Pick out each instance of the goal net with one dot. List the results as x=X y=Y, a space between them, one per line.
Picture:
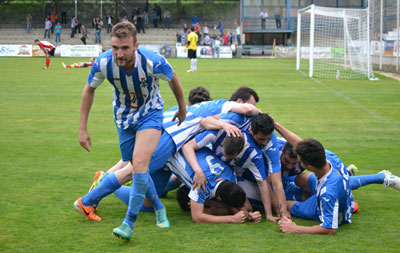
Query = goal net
x=333 y=42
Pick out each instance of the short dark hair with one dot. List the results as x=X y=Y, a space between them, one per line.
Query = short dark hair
x=231 y=194
x=123 y=30
x=198 y=95
x=182 y=196
x=192 y=28
x=233 y=145
x=244 y=93
x=36 y=40
x=288 y=149
x=311 y=152
x=262 y=123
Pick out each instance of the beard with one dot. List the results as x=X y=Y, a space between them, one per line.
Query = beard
x=124 y=62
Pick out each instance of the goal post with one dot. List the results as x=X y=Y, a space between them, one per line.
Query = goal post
x=333 y=42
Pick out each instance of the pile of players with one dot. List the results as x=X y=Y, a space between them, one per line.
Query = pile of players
x=226 y=154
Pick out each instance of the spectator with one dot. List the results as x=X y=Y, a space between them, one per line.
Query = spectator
x=155 y=17
x=238 y=34
x=98 y=31
x=63 y=15
x=205 y=29
x=47 y=27
x=94 y=22
x=178 y=39
x=184 y=33
x=195 y=20
x=84 y=34
x=47 y=10
x=58 y=32
x=53 y=21
x=109 y=23
x=263 y=16
x=221 y=28
x=198 y=29
x=278 y=19
x=28 y=23
x=206 y=40
x=225 y=39
x=217 y=45
x=78 y=25
x=231 y=38
x=124 y=19
x=167 y=18
x=73 y=21
x=146 y=13
x=139 y=21
x=159 y=14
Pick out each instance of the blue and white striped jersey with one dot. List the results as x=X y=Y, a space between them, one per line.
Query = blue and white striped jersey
x=248 y=164
x=272 y=155
x=134 y=94
x=213 y=168
x=334 y=199
x=191 y=126
x=241 y=121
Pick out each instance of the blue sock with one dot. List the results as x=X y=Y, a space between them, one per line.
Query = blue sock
x=171 y=185
x=136 y=197
x=152 y=196
x=123 y=194
x=104 y=176
x=105 y=188
x=358 y=181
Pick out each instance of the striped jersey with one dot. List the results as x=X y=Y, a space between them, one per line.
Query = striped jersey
x=191 y=126
x=248 y=164
x=334 y=199
x=213 y=168
x=46 y=45
x=134 y=94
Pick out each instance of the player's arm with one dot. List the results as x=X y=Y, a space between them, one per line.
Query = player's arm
x=189 y=151
x=266 y=200
x=213 y=123
x=86 y=104
x=288 y=226
x=176 y=88
x=199 y=216
x=246 y=109
x=279 y=193
x=291 y=137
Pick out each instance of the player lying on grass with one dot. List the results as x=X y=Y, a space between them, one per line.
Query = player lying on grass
x=49 y=50
x=299 y=185
x=249 y=162
x=171 y=140
x=80 y=64
x=271 y=159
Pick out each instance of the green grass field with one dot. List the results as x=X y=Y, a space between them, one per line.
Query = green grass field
x=44 y=169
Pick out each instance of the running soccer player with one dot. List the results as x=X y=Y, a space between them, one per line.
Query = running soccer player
x=48 y=49
x=249 y=163
x=134 y=73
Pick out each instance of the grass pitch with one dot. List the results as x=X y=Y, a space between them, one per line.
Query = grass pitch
x=44 y=170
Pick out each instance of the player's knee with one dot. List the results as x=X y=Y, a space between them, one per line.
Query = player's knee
x=140 y=164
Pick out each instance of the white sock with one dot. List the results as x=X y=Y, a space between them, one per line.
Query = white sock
x=195 y=64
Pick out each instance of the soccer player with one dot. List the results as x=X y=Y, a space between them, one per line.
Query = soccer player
x=134 y=73
x=332 y=203
x=249 y=163
x=192 y=47
x=48 y=49
x=80 y=64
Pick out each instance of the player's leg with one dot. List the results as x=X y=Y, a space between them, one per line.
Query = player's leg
x=359 y=181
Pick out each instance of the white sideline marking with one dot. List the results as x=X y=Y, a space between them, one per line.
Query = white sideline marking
x=354 y=103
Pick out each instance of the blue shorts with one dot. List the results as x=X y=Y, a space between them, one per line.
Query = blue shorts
x=306 y=209
x=153 y=120
x=292 y=191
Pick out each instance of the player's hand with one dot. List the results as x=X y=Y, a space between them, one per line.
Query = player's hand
x=286 y=225
x=254 y=216
x=272 y=218
x=231 y=130
x=181 y=115
x=239 y=217
x=199 y=181
x=85 y=140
